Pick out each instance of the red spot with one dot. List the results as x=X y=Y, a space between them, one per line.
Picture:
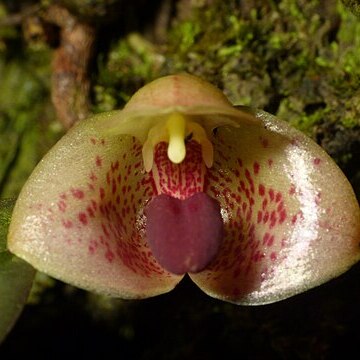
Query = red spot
x=264 y=142
x=250 y=180
x=266 y=217
x=266 y=238
x=114 y=187
x=316 y=161
x=282 y=216
x=93 y=141
x=102 y=193
x=242 y=184
x=278 y=197
x=270 y=162
x=109 y=256
x=261 y=190
x=264 y=204
x=67 y=223
x=292 y=189
x=273 y=256
x=98 y=161
x=94 y=204
x=92 y=177
x=115 y=166
x=240 y=162
x=271 y=194
x=318 y=198
x=297 y=216
x=105 y=230
x=271 y=240
x=258 y=256
x=248 y=215
x=83 y=218
x=272 y=219
x=62 y=205
x=256 y=167
x=244 y=206
x=77 y=193
x=93 y=245
x=90 y=211
x=259 y=216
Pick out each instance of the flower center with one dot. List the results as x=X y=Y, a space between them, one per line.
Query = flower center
x=184 y=227
x=176 y=130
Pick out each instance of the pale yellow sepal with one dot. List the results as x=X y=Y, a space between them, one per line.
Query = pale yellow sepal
x=175 y=109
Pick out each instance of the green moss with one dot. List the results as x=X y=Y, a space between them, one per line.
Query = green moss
x=187 y=33
x=350 y=122
x=6 y=32
x=25 y=134
x=130 y=63
x=348 y=50
x=290 y=57
x=306 y=123
x=353 y=5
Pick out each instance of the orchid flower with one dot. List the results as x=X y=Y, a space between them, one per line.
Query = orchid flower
x=181 y=182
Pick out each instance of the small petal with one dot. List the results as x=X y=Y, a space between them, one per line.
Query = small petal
x=291 y=218
x=183 y=93
x=80 y=216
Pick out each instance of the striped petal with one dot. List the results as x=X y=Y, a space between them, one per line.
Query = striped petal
x=80 y=216
x=291 y=218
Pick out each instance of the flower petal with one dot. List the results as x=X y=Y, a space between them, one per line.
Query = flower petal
x=80 y=216
x=183 y=93
x=291 y=218
x=184 y=235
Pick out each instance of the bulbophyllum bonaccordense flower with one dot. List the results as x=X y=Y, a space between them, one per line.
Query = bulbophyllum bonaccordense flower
x=180 y=181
